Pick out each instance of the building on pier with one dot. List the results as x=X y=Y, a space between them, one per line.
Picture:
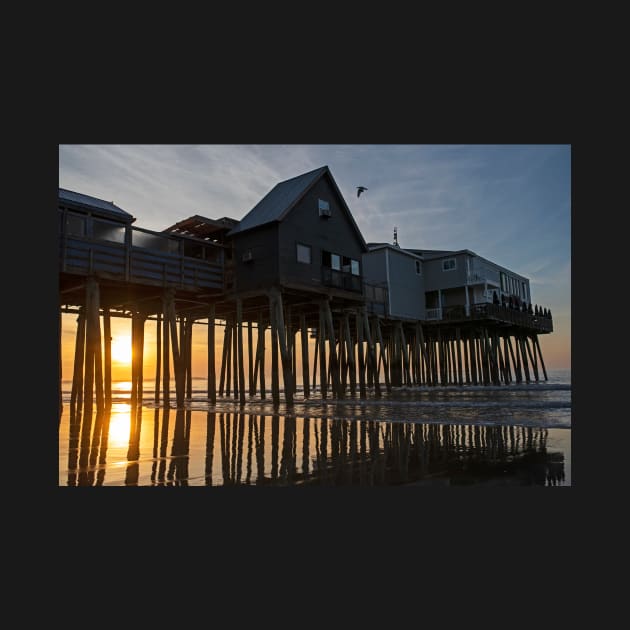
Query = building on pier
x=463 y=278
x=301 y=236
x=394 y=282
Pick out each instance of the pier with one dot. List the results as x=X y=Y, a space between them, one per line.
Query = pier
x=289 y=278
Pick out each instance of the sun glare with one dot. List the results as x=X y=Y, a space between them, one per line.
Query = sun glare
x=119 y=425
x=121 y=350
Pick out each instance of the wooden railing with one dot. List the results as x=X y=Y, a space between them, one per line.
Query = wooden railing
x=376 y=298
x=341 y=280
x=499 y=313
x=159 y=262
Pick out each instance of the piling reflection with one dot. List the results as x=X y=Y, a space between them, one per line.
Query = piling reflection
x=247 y=449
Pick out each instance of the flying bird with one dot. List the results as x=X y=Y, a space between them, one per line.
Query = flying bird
x=360 y=189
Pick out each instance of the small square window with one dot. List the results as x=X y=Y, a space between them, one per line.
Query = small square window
x=449 y=264
x=304 y=253
x=324 y=208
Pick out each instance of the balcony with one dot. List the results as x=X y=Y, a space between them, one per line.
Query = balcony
x=495 y=312
x=139 y=256
x=341 y=280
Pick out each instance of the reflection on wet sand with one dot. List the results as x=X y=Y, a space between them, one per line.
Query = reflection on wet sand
x=249 y=449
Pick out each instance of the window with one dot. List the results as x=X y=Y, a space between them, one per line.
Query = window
x=524 y=290
x=75 y=225
x=340 y=263
x=418 y=267
x=304 y=253
x=503 y=283
x=106 y=231
x=324 y=208
x=449 y=264
x=350 y=265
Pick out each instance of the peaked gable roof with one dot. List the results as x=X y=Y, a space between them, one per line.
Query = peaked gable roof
x=94 y=203
x=283 y=197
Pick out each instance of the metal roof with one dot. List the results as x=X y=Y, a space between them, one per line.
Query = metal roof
x=198 y=226
x=93 y=202
x=407 y=252
x=278 y=201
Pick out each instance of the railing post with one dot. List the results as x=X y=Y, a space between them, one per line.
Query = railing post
x=128 y=245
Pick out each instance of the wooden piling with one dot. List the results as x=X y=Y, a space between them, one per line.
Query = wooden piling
x=166 y=375
x=250 y=356
x=321 y=330
x=287 y=374
x=91 y=319
x=473 y=357
x=360 y=355
x=350 y=354
x=523 y=358
x=225 y=361
x=175 y=350
x=532 y=357
x=382 y=354
x=241 y=364
x=405 y=354
x=343 y=362
x=107 y=369
x=188 y=327
x=304 y=350
x=466 y=358
x=275 y=376
x=460 y=377
x=371 y=355
x=516 y=362
x=508 y=371
x=212 y=384
x=76 y=396
x=262 y=328
x=235 y=358
x=542 y=363
x=334 y=363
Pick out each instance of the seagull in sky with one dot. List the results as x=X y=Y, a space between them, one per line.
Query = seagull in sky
x=360 y=189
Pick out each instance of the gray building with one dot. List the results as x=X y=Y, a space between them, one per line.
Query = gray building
x=394 y=282
x=460 y=279
x=299 y=236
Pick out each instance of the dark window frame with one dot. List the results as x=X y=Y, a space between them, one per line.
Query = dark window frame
x=306 y=247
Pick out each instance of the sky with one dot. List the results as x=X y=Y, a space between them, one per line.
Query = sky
x=510 y=204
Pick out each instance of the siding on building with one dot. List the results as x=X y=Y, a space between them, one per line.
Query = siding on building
x=303 y=225
x=396 y=269
x=262 y=271
x=272 y=237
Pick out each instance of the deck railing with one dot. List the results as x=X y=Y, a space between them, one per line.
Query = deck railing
x=141 y=256
x=497 y=312
x=341 y=280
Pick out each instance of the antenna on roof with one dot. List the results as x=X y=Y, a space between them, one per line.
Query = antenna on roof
x=396 y=237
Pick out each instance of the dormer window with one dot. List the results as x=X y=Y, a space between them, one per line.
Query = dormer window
x=324 y=209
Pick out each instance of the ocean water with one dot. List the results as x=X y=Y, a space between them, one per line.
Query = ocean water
x=518 y=434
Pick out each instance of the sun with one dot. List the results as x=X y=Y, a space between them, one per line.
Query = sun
x=121 y=349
